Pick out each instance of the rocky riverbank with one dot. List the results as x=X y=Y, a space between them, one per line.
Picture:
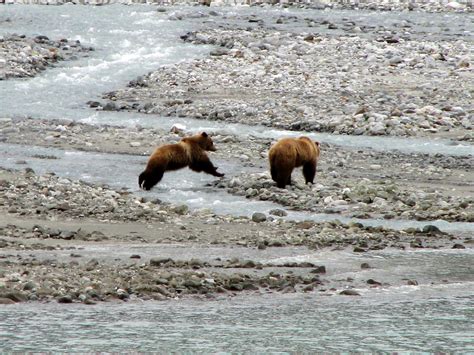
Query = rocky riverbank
x=285 y=72
x=24 y=57
x=375 y=187
x=364 y=198
x=52 y=249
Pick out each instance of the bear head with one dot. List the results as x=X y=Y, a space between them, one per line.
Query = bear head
x=205 y=142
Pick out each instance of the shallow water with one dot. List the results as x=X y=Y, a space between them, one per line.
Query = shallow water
x=436 y=315
x=121 y=171
x=129 y=41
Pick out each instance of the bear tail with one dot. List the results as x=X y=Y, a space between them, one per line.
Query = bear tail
x=147 y=180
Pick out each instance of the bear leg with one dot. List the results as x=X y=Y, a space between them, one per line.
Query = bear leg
x=148 y=179
x=283 y=179
x=309 y=171
x=274 y=173
x=206 y=166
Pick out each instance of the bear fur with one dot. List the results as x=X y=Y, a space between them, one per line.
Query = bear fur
x=290 y=153
x=190 y=151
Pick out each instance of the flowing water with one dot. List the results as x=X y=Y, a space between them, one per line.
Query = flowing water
x=128 y=42
x=436 y=317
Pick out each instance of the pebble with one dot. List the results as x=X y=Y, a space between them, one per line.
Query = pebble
x=259 y=217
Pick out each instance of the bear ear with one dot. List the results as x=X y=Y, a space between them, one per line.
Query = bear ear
x=204 y=134
x=317 y=143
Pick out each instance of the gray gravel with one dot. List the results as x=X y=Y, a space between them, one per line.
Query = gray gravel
x=25 y=57
x=365 y=81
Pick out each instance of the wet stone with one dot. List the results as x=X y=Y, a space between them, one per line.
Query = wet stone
x=64 y=299
x=373 y=282
x=28 y=286
x=14 y=296
x=259 y=217
x=431 y=229
x=319 y=270
x=5 y=301
x=349 y=293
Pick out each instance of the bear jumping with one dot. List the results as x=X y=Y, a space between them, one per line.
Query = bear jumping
x=190 y=151
x=290 y=153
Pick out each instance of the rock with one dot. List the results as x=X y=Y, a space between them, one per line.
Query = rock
x=377 y=128
x=454 y=5
x=349 y=293
x=159 y=261
x=259 y=217
x=122 y=294
x=395 y=60
x=64 y=299
x=278 y=212
x=29 y=286
x=358 y=249
x=110 y=106
x=4 y=301
x=181 y=210
x=365 y=266
x=248 y=264
x=319 y=270
x=67 y=235
x=218 y=52
x=373 y=282
x=92 y=264
x=93 y=104
x=417 y=243
x=431 y=229
x=412 y=283
x=177 y=128
x=135 y=256
x=14 y=296
x=458 y=246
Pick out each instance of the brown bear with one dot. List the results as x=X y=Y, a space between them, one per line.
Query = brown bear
x=290 y=153
x=190 y=151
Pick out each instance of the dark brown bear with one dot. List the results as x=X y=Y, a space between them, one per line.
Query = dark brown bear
x=290 y=153
x=190 y=151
